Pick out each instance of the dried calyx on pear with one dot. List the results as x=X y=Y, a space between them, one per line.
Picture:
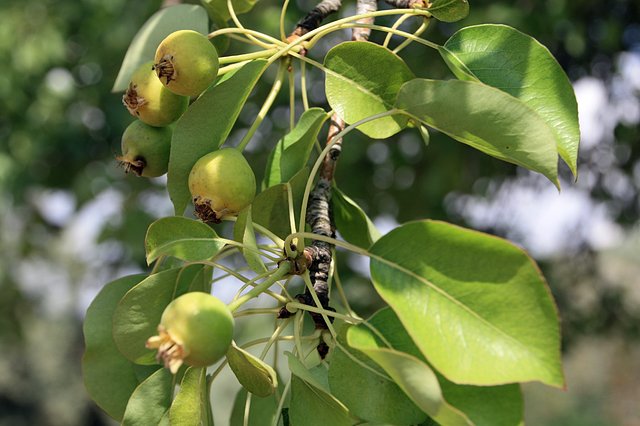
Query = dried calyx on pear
x=195 y=329
x=186 y=62
x=145 y=149
x=221 y=183
x=146 y=98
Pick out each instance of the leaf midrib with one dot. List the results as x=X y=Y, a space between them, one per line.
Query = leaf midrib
x=181 y=240
x=360 y=87
x=451 y=299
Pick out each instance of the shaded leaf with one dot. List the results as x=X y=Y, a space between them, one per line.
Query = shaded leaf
x=449 y=10
x=137 y=315
x=182 y=238
x=262 y=411
x=476 y=306
x=150 y=401
x=518 y=64
x=484 y=405
x=368 y=393
x=254 y=375
x=411 y=374
x=244 y=233
x=311 y=403
x=201 y=280
x=356 y=90
x=220 y=10
x=316 y=376
x=204 y=127
x=291 y=153
x=108 y=376
x=270 y=208
x=191 y=405
x=352 y=222
x=162 y=23
x=485 y=118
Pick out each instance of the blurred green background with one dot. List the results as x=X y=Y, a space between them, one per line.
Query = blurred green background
x=71 y=220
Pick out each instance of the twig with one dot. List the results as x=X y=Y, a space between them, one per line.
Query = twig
x=314 y=18
x=362 y=7
x=318 y=214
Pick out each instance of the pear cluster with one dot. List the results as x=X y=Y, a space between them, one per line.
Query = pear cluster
x=185 y=65
x=196 y=328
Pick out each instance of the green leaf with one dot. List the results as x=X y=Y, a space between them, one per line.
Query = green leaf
x=108 y=376
x=316 y=376
x=363 y=79
x=449 y=10
x=162 y=23
x=243 y=232
x=368 y=393
x=221 y=43
x=137 y=315
x=476 y=306
x=270 y=208
x=202 y=276
x=191 y=405
x=518 y=64
x=291 y=153
x=412 y=375
x=262 y=411
x=204 y=127
x=182 y=238
x=484 y=405
x=311 y=403
x=352 y=222
x=254 y=375
x=220 y=10
x=150 y=401
x=485 y=118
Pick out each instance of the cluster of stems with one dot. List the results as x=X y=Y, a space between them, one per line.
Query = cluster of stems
x=316 y=202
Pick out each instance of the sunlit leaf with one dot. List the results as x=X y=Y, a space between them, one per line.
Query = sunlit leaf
x=485 y=118
x=182 y=238
x=363 y=79
x=165 y=21
x=476 y=306
x=518 y=64
x=204 y=127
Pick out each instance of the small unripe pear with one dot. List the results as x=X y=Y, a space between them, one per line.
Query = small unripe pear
x=221 y=183
x=186 y=62
x=148 y=99
x=145 y=149
x=195 y=329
